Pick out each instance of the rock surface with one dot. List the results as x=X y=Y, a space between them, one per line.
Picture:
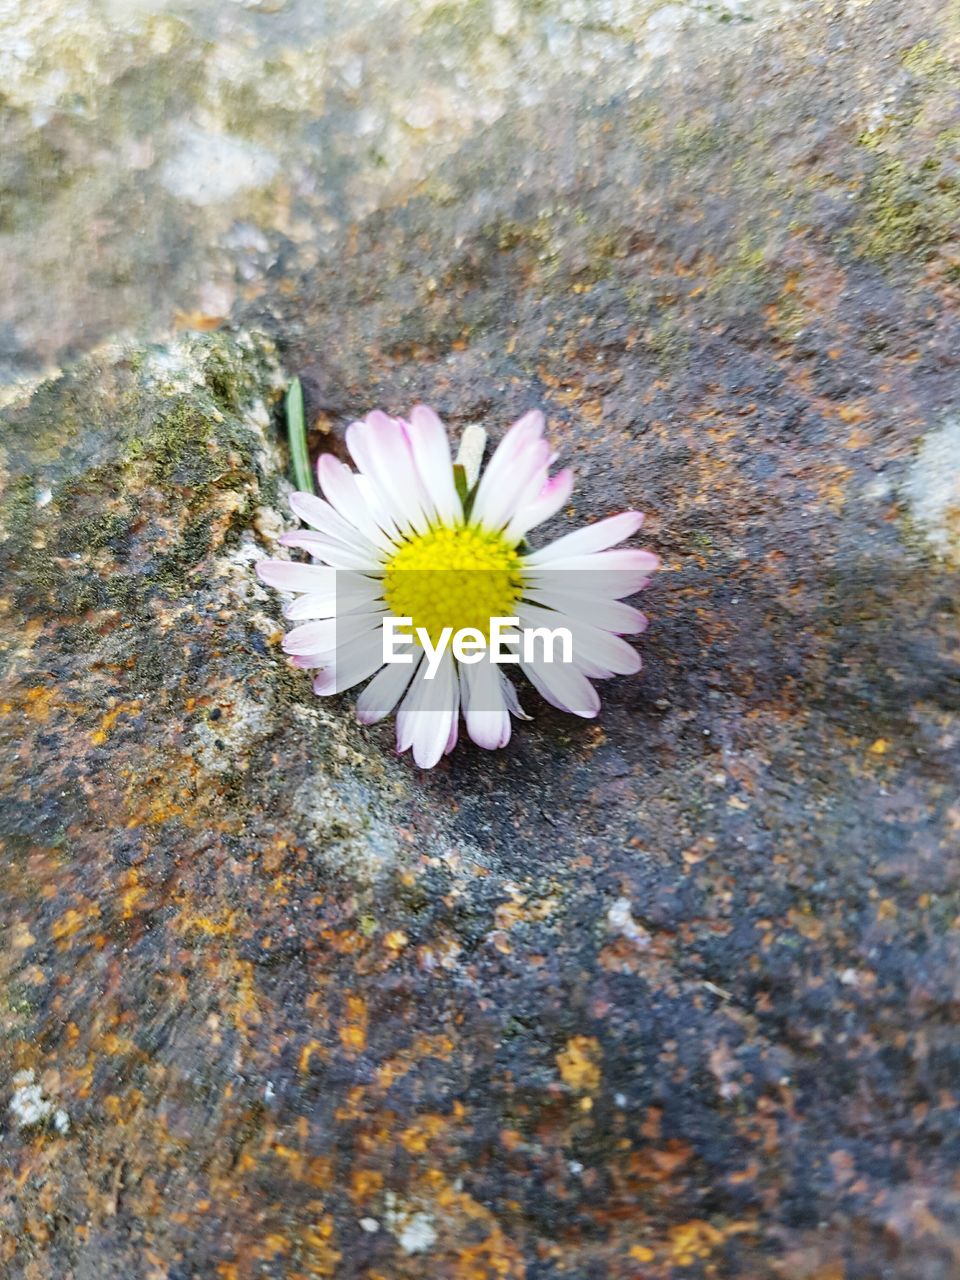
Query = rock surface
x=669 y=994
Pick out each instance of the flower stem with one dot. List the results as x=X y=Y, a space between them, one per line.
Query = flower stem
x=297 y=436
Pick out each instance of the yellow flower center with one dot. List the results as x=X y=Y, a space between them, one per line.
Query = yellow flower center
x=453 y=576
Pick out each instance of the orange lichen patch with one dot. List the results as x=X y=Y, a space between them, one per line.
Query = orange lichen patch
x=834 y=487
x=133 y=893
x=365 y=1184
x=423 y=1046
x=853 y=412
x=311 y=1048
x=291 y=1155
x=667 y=1160
x=271 y=1246
x=272 y=857
x=73 y=920
x=39 y=703
x=416 y=1138
x=579 y=1064
x=155 y=812
x=493 y=1255
x=520 y=909
x=501 y=942
x=109 y=719
x=212 y=926
x=692 y=1241
x=859 y=439
x=117 y=1046
x=316 y=1243
x=353 y=1033
x=879 y=747
x=640 y=1253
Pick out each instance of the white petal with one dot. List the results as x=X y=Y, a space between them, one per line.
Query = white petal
x=484 y=705
x=331 y=635
x=511 y=699
x=564 y=686
x=547 y=503
x=320 y=515
x=525 y=431
x=352 y=665
x=558 y=592
x=455 y=718
x=384 y=691
x=425 y=717
x=592 y=647
x=431 y=453
x=406 y=716
x=337 y=554
x=312 y=606
x=594 y=537
x=291 y=575
x=339 y=485
x=609 y=574
x=351 y=592
x=380 y=449
x=497 y=503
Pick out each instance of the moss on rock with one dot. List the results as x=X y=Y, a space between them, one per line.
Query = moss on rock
x=180 y=461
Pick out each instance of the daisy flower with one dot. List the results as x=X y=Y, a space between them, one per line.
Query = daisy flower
x=408 y=536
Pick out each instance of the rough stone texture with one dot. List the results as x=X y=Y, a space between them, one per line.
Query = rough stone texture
x=669 y=994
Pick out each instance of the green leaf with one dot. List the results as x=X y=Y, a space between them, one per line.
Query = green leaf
x=466 y=494
x=297 y=436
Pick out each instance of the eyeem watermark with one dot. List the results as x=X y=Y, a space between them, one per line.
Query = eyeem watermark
x=507 y=643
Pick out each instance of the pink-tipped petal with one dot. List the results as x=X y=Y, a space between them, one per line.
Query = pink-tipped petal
x=604 y=575
x=595 y=537
x=604 y=611
x=623 y=560
x=564 y=686
x=352 y=665
x=336 y=555
x=311 y=637
x=339 y=485
x=321 y=515
x=554 y=494
x=425 y=717
x=484 y=705
x=384 y=691
x=496 y=505
x=381 y=450
x=290 y=575
x=524 y=432
x=593 y=648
